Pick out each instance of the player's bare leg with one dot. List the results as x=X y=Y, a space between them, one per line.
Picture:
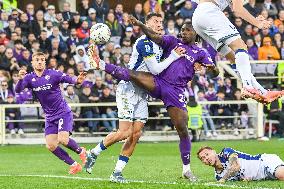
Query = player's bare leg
x=123 y=132
x=179 y=118
x=64 y=139
x=279 y=173
x=126 y=151
x=52 y=146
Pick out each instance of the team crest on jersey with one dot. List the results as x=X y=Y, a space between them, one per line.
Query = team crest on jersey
x=194 y=51
x=47 y=77
x=147 y=48
x=33 y=79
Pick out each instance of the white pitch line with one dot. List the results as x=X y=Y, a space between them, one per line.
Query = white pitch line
x=136 y=181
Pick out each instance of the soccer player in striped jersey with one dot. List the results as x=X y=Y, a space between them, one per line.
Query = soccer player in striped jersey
x=132 y=100
x=234 y=165
x=213 y=26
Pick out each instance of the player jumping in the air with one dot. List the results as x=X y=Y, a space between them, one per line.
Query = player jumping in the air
x=213 y=26
x=169 y=85
x=58 y=116
x=132 y=100
x=233 y=165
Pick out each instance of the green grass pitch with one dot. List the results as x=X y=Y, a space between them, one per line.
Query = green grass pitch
x=153 y=165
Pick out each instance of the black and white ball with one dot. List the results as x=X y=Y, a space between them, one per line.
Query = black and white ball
x=100 y=33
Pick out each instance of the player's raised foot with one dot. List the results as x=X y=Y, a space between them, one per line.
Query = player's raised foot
x=188 y=175
x=94 y=58
x=249 y=93
x=91 y=160
x=83 y=156
x=271 y=96
x=117 y=177
x=76 y=168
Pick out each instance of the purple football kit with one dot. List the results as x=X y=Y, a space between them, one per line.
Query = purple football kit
x=46 y=88
x=172 y=82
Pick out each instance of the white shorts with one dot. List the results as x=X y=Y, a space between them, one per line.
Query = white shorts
x=269 y=164
x=213 y=26
x=132 y=102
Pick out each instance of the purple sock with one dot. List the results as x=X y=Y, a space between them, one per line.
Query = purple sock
x=185 y=148
x=63 y=155
x=72 y=145
x=118 y=72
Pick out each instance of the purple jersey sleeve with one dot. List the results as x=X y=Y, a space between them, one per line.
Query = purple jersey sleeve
x=169 y=42
x=22 y=84
x=64 y=78
x=205 y=58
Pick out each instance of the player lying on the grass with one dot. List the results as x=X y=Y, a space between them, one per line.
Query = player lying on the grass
x=234 y=165
x=169 y=85
x=58 y=116
x=213 y=26
x=132 y=100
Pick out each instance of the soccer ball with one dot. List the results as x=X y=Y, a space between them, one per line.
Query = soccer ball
x=100 y=33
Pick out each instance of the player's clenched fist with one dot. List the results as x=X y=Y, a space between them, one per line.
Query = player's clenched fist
x=22 y=74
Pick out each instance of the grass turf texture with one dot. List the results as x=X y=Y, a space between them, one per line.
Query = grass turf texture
x=152 y=164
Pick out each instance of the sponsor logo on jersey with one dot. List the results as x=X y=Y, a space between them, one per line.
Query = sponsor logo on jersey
x=43 y=88
x=190 y=58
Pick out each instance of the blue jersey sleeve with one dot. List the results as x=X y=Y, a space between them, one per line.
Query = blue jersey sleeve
x=227 y=152
x=145 y=48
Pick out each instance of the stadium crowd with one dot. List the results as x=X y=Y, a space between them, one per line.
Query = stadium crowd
x=64 y=37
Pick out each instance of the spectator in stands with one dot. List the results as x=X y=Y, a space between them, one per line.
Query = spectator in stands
x=3 y=20
x=13 y=114
x=252 y=8
x=3 y=38
x=125 y=21
x=45 y=43
x=252 y=49
x=187 y=10
x=48 y=28
x=220 y=86
x=18 y=48
x=4 y=91
x=50 y=14
x=229 y=92
x=6 y=61
x=116 y=56
x=92 y=17
x=10 y=28
x=14 y=65
x=211 y=94
x=67 y=14
x=152 y=6
x=102 y=8
x=44 y=5
x=65 y=31
x=59 y=19
x=268 y=51
x=26 y=60
x=171 y=29
x=138 y=12
x=76 y=21
x=56 y=35
x=55 y=50
x=98 y=87
x=38 y=23
x=73 y=41
x=222 y=110
x=14 y=15
x=206 y=119
x=108 y=112
x=118 y=12
x=25 y=24
x=71 y=97
x=280 y=5
x=12 y=83
x=30 y=9
x=83 y=9
x=83 y=32
x=247 y=32
x=2 y=52
x=115 y=27
x=202 y=80
x=257 y=40
x=270 y=7
x=240 y=110
x=280 y=19
x=126 y=46
x=277 y=40
x=81 y=56
x=125 y=60
x=169 y=9
x=11 y=43
x=89 y=112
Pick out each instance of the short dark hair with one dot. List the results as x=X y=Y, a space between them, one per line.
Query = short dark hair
x=152 y=14
x=203 y=148
x=39 y=53
x=18 y=42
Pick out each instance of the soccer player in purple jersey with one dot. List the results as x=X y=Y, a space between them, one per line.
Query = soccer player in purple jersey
x=169 y=85
x=58 y=116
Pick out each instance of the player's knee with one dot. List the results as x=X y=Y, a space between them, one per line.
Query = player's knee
x=63 y=140
x=136 y=135
x=122 y=135
x=51 y=146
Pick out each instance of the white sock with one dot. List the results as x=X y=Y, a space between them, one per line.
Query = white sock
x=102 y=65
x=257 y=85
x=98 y=149
x=186 y=168
x=121 y=163
x=244 y=68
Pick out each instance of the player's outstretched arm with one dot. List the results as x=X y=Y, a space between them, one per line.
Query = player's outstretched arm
x=147 y=31
x=156 y=68
x=81 y=77
x=240 y=11
x=22 y=84
x=233 y=168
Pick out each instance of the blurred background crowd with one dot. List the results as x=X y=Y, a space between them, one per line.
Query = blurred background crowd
x=63 y=35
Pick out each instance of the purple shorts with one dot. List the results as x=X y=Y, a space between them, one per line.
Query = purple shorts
x=63 y=123
x=172 y=96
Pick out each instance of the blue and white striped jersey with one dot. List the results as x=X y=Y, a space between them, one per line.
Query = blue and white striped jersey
x=250 y=165
x=142 y=48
